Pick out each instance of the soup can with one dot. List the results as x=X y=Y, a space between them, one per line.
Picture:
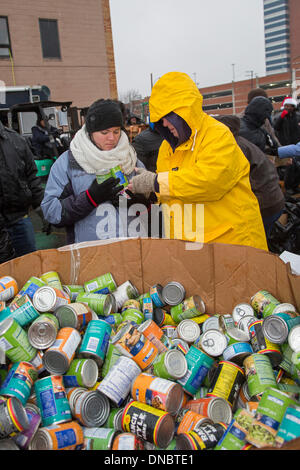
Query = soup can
x=240 y=311
x=198 y=365
x=76 y=315
x=23 y=439
x=51 y=278
x=187 y=330
x=155 y=334
x=102 y=304
x=114 y=421
x=95 y=341
x=187 y=420
x=290 y=426
x=51 y=399
x=14 y=341
x=215 y=408
x=43 y=331
x=99 y=438
x=260 y=344
x=58 y=357
x=116 y=384
x=173 y=293
x=124 y=292
x=237 y=352
x=148 y=423
x=133 y=315
x=48 y=299
x=132 y=343
x=31 y=286
x=170 y=365
x=276 y=327
x=92 y=408
x=104 y=284
x=264 y=303
x=19 y=381
x=213 y=342
x=23 y=311
x=259 y=374
x=159 y=393
x=8 y=288
x=127 y=441
x=73 y=290
x=203 y=438
x=64 y=436
x=227 y=381
x=82 y=373
x=188 y=308
x=13 y=417
x=156 y=295
x=131 y=303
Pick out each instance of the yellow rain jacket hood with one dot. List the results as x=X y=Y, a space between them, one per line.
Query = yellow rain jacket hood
x=204 y=184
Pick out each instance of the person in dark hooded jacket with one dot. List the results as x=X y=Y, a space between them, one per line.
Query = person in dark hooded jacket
x=256 y=113
x=264 y=179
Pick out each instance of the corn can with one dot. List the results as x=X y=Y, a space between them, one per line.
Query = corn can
x=52 y=279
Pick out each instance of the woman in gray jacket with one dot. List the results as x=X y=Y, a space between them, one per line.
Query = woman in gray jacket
x=73 y=197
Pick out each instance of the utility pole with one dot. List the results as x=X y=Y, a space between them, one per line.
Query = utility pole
x=233 y=93
x=251 y=74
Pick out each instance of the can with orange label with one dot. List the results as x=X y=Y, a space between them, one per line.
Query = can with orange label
x=132 y=343
x=159 y=393
x=127 y=441
x=58 y=357
x=65 y=436
x=8 y=288
x=188 y=420
x=148 y=423
x=155 y=334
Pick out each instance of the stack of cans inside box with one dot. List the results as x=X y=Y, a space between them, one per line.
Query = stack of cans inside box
x=101 y=366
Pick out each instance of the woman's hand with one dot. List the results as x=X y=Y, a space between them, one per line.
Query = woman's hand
x=143 y=182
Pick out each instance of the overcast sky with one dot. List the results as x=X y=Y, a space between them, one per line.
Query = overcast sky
x=202 y=38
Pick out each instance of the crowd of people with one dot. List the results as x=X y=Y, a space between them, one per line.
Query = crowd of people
x=189 y=175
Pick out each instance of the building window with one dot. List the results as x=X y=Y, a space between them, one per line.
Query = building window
x=5 y=46
x=49 y=39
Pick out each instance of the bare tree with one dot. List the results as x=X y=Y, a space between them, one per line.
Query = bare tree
x=129 y=96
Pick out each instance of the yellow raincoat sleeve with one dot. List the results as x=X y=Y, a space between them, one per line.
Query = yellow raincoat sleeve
x=215 y=167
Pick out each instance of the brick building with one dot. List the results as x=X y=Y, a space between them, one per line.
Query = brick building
x=64 y=45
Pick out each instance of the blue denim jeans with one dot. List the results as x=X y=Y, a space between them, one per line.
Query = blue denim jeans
x=22 y=236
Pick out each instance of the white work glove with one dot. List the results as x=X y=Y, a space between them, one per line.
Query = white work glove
x=143 y=182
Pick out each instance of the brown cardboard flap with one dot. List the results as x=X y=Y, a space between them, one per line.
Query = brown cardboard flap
x=223 y=275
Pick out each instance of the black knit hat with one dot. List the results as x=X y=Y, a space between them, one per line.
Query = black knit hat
x=103 y=114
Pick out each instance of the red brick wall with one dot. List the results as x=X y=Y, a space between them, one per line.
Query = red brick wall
x=85 y=71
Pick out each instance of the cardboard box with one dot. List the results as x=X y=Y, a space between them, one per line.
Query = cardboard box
x=223 y=275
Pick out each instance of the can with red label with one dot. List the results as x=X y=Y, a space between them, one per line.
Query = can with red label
x=204 y=438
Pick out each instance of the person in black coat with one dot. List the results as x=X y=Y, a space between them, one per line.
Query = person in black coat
x=286 y=123
x=147 y=145
x=20 y=190
x=256 y=113
x=41 y=139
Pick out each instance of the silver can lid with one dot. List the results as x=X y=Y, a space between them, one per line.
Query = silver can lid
x=109 y=304
x=176 y=363
x=219 y=410
x=55 y=362
x=211 y=323
x=5 y=325
x=41 y=440
x=237 y=335
x=188 y=330
x=244 y=323
x=20 y=413
x=66 y=316
x=275 y=329
x=294 y=338
x=173 y=293
x=42 y=334
x=44 y=298
x=242 y=310
x=199 y=304
x=89 y=373
x=213 y=342
x=95 y=409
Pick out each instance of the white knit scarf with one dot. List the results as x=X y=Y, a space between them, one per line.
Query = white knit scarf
x=92 y=159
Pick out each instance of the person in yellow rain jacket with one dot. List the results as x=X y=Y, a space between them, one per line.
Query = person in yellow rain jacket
x=200 y=170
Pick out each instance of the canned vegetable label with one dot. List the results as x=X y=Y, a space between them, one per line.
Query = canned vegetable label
x=8 y=288
x=199 y=364
x=264 y=303
x=104 y=284
x=117 y=172
x=52 y=400
x=259 y=374
x=227 y=381
x=14 y=341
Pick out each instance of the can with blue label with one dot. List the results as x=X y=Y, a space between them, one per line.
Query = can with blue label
x=116 y=172
x=82 y=373
x=95 y=341
x=23 y=311
x=31 y=286
x=237 y=352
x=51 y=399
x=198 y=364
x=104 y=284
x=289 y=427
x=156 y=295
x=19 y=381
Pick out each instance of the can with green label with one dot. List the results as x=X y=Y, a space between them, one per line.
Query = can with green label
x=31 y=286
x=273 y=405
x=73 y=290
x=103 y=175
x=112 y=356
x=82 y=373
x=102 y=304
x=264 y=303
x=95 y=341
x=116 y=172
x=188 y=308
x=114 y=420
x=133 y=315
x=52 y=279
x=14 y=341
x=103 y=284
x=234 y=437
x=99 y=438
x=259 y=374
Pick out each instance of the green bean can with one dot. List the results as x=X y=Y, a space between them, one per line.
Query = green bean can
x=101 y=304
x=259 y=374
x=264 y=303
x=188 y=308
x=234 y=437
x=14 y=341
x=99 y=438
x=104 y=284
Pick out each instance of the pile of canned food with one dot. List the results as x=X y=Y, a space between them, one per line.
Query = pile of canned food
x=102 y=366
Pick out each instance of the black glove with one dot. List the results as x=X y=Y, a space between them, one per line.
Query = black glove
x=137 y=199
x=105 y=191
